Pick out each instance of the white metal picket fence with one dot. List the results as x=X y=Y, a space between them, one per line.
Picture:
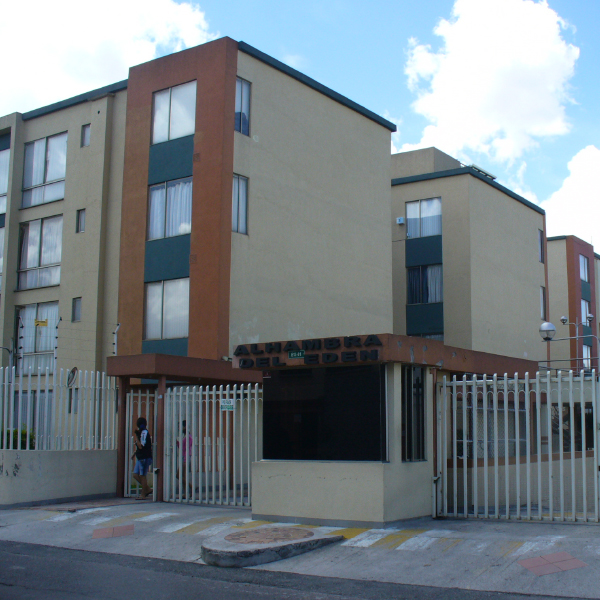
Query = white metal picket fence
x=515 y=448
x=43 y=411
x=210 y=463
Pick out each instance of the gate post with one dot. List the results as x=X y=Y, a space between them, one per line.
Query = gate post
x=122 y=447
x=159 y=437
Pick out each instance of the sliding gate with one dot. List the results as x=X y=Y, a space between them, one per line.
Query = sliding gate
x=511 y=448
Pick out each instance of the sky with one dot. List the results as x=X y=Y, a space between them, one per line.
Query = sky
x=512 y=86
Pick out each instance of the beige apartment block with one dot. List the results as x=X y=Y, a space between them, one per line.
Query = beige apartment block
x=63 y=177
x=468 y=257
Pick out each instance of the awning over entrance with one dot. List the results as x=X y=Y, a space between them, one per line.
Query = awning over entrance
x=202 y=371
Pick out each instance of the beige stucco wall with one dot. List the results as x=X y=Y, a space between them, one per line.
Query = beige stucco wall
x=32 y=476
x=456 y=249
x=559 y=300
x=418 y=162
x=89 y=263
x=317 y=258
x=506 y=274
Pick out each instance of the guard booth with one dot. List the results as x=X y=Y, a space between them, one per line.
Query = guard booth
x=350 y=426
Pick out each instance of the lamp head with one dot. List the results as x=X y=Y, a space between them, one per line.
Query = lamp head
x=590 y=318
x=564 y=320
x=547 y=331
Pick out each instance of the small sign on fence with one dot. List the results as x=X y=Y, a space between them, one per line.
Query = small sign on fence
x=227 y=404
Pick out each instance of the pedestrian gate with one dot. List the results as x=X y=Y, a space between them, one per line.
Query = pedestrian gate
x=515 y=448
x=212 y=436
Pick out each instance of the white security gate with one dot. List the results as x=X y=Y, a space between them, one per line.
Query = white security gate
x=515 y=448
x=139 y=404
x=210 y=463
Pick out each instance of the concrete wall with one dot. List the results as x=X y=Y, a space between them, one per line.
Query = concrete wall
x=506 y=274
x=89 y=263
x=418 y=162
x=31 y=477
x=317 y=258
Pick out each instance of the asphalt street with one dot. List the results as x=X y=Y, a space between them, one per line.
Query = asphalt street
x=37 y=572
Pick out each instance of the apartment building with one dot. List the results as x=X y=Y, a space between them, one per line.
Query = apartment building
x=468 y=257
x=573 y=277
x=60 y=196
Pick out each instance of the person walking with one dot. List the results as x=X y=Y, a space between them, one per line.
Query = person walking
x=143 y=454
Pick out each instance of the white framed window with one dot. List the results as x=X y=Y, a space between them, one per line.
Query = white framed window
x=239 y=214
x=86 y=132
x=80 y=222
x=76 y=310
x=167 y=308
x=541 y=246
x=44 y=171
x=4 y=164
x=587 y=357
x=425 y=284
x=40 y=253
x=584 y=271
x=36 y=326
x=174 y=112
x=585 y=311
x=242 y=106
x=543 y=303
x=424 y=218
x=170 y=209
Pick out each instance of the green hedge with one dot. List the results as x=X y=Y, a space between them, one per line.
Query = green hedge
x=19 y=442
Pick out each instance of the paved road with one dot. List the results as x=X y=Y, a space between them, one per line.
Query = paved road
x=36 y=572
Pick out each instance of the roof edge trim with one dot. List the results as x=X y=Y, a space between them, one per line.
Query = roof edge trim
x=80 y=99
x=474 y=173
x=315 y=85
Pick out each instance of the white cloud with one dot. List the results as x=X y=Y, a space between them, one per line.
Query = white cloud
x=574 y=209
x=498 y=83
x=395 y=146
x=296 y=61
x=69 y=47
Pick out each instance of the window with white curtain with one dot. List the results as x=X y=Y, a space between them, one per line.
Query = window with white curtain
x=36 y=324
x=4 y=163
x=424 y=218
x=587 y=357
x=44 y=170
x=40 y=253
x=585 y=311
x=170 y=209
x=242 y=106
x=425 y=285
x=174 y=113
x=239 y=215
x=167 y=309
x=584 y=271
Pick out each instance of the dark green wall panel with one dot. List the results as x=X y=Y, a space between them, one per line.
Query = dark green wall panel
x=586 y=291
x=424 y=251
x=178 y=347
x=171 y=160
x=423 y=319
x=168 y=258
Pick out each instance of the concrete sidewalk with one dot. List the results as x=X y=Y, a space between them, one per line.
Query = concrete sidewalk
x=475 y=555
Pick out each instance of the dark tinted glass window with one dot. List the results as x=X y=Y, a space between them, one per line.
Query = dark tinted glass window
x=325 y=414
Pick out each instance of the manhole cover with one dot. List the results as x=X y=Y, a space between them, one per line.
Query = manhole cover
x=269 y=535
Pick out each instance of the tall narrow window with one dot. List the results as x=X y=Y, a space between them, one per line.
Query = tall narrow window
x=45 y=169
x=587 y=357
x=86 y=131
x=36 y=325
x=170 y=209
x=80 y=224
x=4 y=163
x=585 y=311
x=242 y=106
x=174 y=113
x=40 y=253
x=424 y=218
x=543 y=303
x=167 y=309
x=425 y=285
x=541 y=245
x=413 y=414
x=76 y=310
x=584 y=272
x=239 y=215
